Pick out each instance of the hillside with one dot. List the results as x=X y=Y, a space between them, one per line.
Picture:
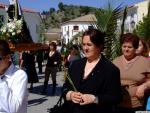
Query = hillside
x=54 y=17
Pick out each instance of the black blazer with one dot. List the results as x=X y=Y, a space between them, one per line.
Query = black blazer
x=103 y=82
x=54 y=58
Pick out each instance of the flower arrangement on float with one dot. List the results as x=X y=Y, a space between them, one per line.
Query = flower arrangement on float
x=11 y=29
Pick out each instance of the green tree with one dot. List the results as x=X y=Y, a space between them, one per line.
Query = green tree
x=54 y=18
x=143 y=27
x=61 y=6
x=85 y=9
x=52 y=10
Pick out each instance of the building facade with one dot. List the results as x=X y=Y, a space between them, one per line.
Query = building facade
x=135 y=14
x=72 y=27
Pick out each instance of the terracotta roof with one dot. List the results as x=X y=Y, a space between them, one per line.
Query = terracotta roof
x=85 y=18
x=3 y=5
x=29 y=10
x=24 y=9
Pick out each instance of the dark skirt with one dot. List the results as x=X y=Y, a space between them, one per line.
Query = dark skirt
x=32 y=75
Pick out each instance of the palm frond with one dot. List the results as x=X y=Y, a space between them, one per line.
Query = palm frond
x=123 y=21
x=107 y=22
x=103 y=18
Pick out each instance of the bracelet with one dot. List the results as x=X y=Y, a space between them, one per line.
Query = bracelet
x=96 y=100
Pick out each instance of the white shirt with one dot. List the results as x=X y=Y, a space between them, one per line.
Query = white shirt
x=13 y=91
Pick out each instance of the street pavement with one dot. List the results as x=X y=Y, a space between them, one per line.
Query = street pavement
x=38 y=103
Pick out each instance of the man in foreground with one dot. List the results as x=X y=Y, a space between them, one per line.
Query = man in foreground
x=13 y=84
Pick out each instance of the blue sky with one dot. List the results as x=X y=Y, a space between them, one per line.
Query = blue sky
x=40 y=5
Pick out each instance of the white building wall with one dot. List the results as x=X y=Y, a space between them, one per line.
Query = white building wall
x=142 y=9
x=68 y=32
x=134 y=15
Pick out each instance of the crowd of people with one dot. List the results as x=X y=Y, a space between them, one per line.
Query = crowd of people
x=99 y=85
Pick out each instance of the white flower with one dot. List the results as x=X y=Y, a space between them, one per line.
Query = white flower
x=13 y=33
x=18 y=31
x=12 y=28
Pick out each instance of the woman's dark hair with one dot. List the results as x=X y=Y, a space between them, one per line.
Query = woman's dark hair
x=96 y=36
x=145 y=48
x=130 y=37
x=74 y=47
x=4 y=48
x=53 y=44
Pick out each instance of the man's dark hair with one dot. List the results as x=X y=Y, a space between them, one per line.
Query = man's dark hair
x=4 y=48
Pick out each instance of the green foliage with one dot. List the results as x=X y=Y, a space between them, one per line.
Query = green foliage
x=76 y=39
x=51 y=10
x=107 y=23
x=64 y=13
x=103 y=18
x=61 y=6
x=117 y=44
x=1 y=23
x=42 y=37
x=85 y=9
x=143 y=27
x=123 y=21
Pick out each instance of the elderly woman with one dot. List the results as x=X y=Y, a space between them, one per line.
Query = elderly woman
x=133 y=69
x=96 y=79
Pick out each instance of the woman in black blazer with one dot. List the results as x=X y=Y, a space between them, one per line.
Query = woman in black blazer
x=53 y=59
x=96 y=79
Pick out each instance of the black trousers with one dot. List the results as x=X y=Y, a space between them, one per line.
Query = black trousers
x=40 y=66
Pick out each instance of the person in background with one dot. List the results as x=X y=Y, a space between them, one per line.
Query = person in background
x=20 y=58
x=39 y=59
x=15 y=58
x=59 y=47
x=53 y=59
x=64 y=53
x=64 y=50
x=143 y=51
x=13 y=84
x=81 y=52
x=96 y=79
x=133 y=69
x=73 y=55
x=28 y=64
x=142 y=48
